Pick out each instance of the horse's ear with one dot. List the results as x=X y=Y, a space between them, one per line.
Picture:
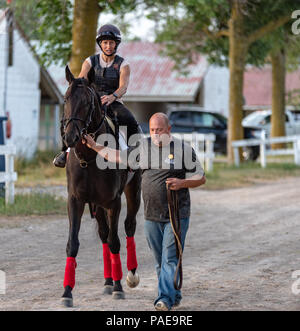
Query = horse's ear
x=69 y=75
x=91 y=75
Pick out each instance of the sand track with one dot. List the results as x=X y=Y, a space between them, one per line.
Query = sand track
x=241 y=249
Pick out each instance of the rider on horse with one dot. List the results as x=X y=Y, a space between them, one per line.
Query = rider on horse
x=111 y=78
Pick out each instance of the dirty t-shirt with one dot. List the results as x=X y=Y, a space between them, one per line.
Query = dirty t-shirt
x=176 y=160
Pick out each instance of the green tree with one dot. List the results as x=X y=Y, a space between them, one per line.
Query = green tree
x=73 y=27
x=284 y=56
x=24 y=11
x=66 y=29
x=229 y=32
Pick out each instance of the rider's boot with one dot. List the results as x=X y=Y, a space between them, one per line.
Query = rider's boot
x=60 y=159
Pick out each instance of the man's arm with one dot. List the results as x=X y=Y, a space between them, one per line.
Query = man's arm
x=191 y=182
x=111 y=155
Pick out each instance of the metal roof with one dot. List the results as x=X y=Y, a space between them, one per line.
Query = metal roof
x=152 y=77
x=258 y=86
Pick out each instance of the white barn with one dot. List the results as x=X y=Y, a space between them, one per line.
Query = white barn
x=25 y=87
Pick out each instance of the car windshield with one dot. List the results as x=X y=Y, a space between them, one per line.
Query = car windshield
x=254 y=118
x=222 y=118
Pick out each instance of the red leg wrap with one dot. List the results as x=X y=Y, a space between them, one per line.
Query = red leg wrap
x=70 y=272
x=106 y=261
x=131 y=254
x=117 y=273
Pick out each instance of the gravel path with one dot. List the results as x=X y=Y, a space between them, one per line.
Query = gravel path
x=241 y=250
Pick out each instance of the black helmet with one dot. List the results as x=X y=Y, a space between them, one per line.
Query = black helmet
x=108 y=32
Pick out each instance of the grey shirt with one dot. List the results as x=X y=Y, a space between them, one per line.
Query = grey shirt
x=176 y=160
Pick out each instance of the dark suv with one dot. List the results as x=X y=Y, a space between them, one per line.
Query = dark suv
x=188 y=119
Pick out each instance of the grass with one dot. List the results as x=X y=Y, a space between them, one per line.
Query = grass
x=39 y=171
x=34 y=204
x=224 y=176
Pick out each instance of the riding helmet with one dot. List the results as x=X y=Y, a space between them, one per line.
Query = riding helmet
x=108 y=32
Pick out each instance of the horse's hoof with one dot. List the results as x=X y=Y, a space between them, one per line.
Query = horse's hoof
x=117 y=295
x=67 y=302
x=132 y=280
x=108 y=289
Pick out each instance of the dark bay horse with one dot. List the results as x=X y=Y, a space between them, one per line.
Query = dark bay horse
x=102 y=189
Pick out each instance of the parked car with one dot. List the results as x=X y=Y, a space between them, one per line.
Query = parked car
x=261 y=120
x=188 y=119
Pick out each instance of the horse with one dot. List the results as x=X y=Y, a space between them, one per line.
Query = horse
x=101 y=189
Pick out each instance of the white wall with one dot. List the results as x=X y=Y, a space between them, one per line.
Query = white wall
x=216 y=90
x=23 y=95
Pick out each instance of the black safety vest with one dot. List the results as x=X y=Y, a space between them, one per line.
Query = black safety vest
x=107 y=79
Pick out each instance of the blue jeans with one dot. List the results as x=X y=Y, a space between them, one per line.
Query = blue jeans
x=161 y=241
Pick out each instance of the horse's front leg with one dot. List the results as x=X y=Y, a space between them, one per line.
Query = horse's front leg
x=114 y=245
x=75 y=211
x=133 y=197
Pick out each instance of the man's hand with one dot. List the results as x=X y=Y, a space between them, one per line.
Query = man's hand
x=174 y=184
x=89 y=141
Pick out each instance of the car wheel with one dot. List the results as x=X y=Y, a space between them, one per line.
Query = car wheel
x=250 y=153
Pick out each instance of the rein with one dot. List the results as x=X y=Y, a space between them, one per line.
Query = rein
x=173 y=205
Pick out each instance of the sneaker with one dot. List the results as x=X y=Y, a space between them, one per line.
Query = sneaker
x=162 y=306
x=60 y=160
x=176 y=304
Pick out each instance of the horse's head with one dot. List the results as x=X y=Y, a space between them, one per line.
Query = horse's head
x=79 y=107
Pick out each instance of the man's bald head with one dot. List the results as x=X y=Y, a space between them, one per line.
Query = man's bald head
x=160 y=118
x=160 y=128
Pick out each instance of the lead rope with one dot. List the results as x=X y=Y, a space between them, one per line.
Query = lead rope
x=173 y=206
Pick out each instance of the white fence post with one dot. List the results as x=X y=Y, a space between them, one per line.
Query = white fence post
x=263 y=160
x=263 y=141
x=297 y=151
x=209 y=149
x=236 y=156
x=9 y=176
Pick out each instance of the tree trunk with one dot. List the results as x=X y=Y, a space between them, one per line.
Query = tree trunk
x=278 y=96
x=86 y=13
x=238 y=48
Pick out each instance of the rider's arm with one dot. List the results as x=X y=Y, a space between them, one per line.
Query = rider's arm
x=86 y=66
x=124 y=81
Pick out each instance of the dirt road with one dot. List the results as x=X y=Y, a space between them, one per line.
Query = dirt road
x=242 y=247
